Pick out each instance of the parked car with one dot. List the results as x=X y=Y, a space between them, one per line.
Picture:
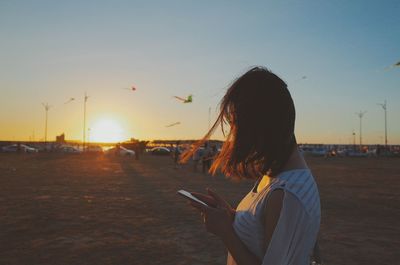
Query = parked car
x=161 y=151
x=29 y=149
x=19 y=147
x=314 y=151
x=342 y=152
x=94 y=149
x=357 y=154
x=69 y=149
x=120 y=151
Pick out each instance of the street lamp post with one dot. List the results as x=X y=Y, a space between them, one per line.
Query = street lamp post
x=84 y=121
x=360 y=115
x=46 y=108
x=384 y=107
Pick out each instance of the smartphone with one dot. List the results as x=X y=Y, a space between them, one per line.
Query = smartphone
x=189 y=196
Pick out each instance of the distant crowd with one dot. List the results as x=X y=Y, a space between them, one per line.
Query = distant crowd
x=204 y=155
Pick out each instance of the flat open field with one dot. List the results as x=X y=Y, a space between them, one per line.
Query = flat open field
x=85 y=209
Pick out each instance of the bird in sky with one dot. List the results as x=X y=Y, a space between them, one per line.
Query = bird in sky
x=172 y=124
x=189 y=99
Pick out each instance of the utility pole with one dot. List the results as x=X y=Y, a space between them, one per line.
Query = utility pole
x=354 y=140
x=360 y=115
x=384 y=107
x=84 y=121
x=46 y=108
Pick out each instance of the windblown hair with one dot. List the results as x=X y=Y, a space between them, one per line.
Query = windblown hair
x=260 y=112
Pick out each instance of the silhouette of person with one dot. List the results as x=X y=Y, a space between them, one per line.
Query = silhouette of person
x=176 y=154
x=278 y=221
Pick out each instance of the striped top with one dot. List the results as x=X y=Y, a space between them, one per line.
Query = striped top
x=295 y=234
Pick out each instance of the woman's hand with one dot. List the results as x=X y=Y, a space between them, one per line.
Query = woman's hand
x=218 y=219
x=218 y=216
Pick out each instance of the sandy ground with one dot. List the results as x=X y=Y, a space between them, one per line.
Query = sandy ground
x=85 y=209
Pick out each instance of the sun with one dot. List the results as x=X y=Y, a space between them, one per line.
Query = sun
x=106 y=131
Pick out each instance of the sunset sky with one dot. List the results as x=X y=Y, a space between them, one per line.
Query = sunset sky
x=51 y=51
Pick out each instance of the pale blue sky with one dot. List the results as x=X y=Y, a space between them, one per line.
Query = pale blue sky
x=52 y=50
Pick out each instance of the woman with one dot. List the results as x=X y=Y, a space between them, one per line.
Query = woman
x=277 y=222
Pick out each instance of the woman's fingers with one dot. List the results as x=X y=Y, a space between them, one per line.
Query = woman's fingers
x=200 y=207
x=217 y=221
x=206 y=198
x=214 y=195
x=218 y=198
x=222 y=202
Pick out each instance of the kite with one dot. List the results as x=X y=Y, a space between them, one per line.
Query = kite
x=302 y=78
x=189 y=99
x=172 y=124
x=132 y=88
x=69 y=100
x=393 y=66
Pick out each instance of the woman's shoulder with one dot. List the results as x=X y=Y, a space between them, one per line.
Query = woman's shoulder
x=292 y=179
x=301 y=184
x=295 y=177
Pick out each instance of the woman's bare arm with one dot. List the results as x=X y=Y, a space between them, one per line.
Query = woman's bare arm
x=238 y=250
x=272 y=213
x=219 y=222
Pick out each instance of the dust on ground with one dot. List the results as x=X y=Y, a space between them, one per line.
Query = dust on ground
x=93 y=209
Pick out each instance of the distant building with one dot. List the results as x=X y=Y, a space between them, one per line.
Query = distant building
x=60 y=138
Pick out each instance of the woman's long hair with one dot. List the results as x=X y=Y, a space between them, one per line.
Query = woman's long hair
x=260 y=112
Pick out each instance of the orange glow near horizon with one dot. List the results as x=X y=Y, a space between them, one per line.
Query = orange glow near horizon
x=107 y=131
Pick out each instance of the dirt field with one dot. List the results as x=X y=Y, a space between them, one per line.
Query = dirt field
x=80 y=209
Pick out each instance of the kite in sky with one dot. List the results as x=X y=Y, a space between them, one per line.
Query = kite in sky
x=172 y=124
x=132 y=88
x=69 y=100
x=302 y=78
x=393 y=66
x=189 y=99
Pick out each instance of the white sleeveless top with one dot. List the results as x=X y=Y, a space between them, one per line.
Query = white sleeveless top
x=295 y=233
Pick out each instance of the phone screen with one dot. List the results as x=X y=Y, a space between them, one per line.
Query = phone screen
x=189 y=196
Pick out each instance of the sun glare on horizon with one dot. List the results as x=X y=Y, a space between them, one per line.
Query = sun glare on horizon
x=106 y=131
